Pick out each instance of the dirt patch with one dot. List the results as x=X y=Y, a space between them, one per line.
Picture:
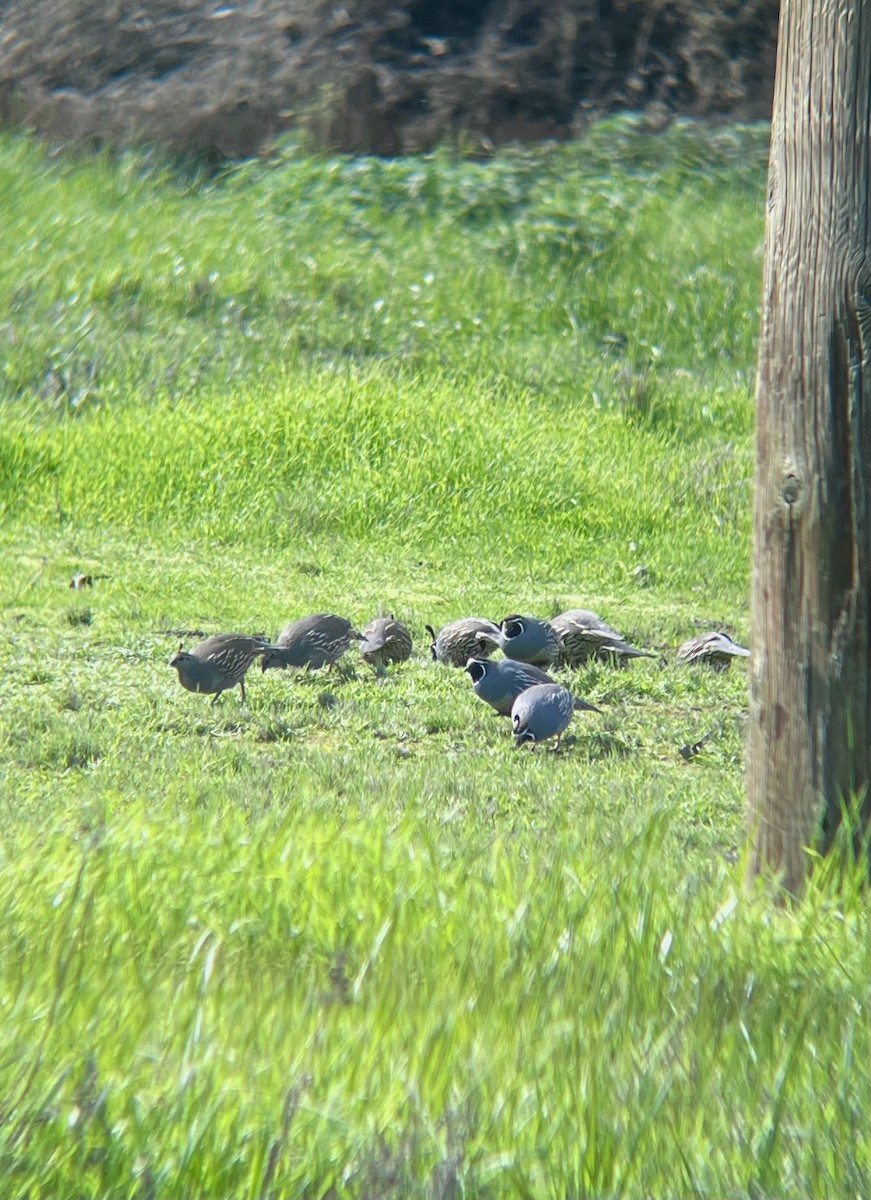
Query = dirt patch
x=222 y=79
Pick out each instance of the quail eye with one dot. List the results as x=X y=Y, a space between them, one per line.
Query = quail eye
x=513 y=629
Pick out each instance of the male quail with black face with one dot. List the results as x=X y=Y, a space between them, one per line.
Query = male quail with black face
x=529 y=640
x=316 y=641
x=583 y=635
x=218 y=663
x=385 y=640
x=543 y=712
x=460 y=640
x=499 y=683
x=714 y=648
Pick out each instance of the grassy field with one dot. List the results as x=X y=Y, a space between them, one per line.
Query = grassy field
x=344 y=940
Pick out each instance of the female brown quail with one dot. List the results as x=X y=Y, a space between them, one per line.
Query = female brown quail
x=385 y=640
x=714 y=648
x=316 y=641
x=465 y=638
x=218 y=663
x=583 y=635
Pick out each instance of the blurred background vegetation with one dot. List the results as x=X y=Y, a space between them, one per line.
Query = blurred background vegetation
x=221 y=79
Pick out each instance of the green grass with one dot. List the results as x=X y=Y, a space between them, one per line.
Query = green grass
x=344 y=940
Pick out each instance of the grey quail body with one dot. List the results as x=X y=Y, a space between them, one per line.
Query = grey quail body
x=584 y=635
x=499 y=683
x=460 y=640
x=219 y=663
x=543 y=712
x=316 y=641
x=529 y=640
x=385 y=640
x=714 y=648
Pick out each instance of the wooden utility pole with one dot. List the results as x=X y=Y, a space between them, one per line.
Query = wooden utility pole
x=809 y=746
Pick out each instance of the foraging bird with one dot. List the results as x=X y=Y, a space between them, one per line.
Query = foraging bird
x=385 y=640
x=218 y=663
x=465 y=638
x=544 y=711
x=583 y=635
x=316 y=641
x=499 y=683
x=529 y=640
x=714 y=648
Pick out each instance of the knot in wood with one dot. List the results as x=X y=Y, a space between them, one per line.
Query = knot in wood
x=791 y=489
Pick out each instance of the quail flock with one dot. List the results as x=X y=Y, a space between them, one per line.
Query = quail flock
x=516 y=686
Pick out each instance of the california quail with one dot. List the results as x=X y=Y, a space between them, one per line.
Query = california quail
x=715 y=648
x=499 y=683
x=316 y=641
x=543 y=711
x=583 y=635
x=385 y=640
x=460 y=640
x=529 y=640
x=218 y=663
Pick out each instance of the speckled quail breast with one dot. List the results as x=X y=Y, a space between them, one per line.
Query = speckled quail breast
x=542 y=712
x=465 y=638
x=584 y=635
x=716 y=649
x=530 y=640
x=385 y=640
x=219 y=663
x=499 y=683
x=316 y=641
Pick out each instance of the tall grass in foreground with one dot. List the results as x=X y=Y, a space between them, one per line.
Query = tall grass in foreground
x=344 y=941
x=349 y=1008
